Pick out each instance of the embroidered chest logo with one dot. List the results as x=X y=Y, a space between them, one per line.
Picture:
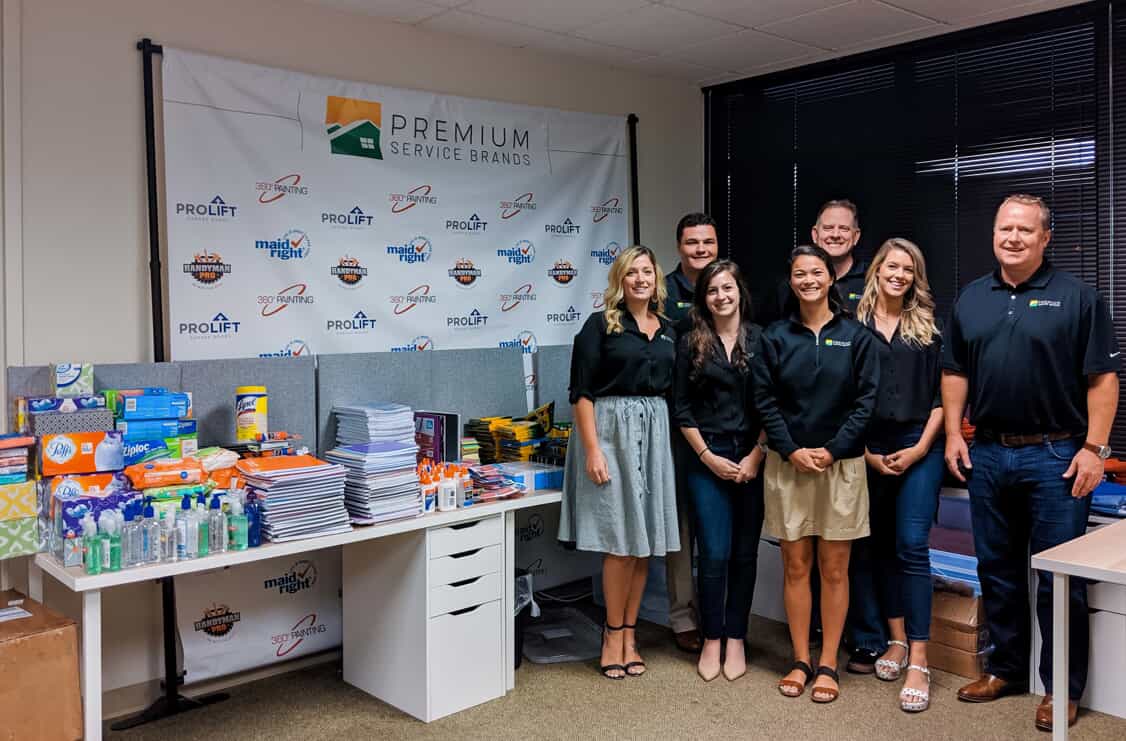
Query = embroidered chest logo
x=830 y=342
x=1044 y=303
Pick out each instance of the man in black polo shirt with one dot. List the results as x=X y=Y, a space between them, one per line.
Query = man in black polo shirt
x=1032 y=350
x=698 y=246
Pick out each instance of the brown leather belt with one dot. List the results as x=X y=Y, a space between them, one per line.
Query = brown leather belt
x=1010 y=440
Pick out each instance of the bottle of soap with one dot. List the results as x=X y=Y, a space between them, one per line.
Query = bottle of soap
x=91 y=545
x=217 y=526
x=236 y=527
x=253 y=520
x=111 y=544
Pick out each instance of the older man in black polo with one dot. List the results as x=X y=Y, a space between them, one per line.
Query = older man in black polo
x=1032 y=350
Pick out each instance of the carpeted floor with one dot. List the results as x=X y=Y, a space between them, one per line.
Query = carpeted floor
x=569 y=701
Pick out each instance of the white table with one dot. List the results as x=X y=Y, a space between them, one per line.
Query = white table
x=91 y=586
x=1098 y=556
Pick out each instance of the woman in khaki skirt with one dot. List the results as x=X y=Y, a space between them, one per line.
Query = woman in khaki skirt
x=816 y=379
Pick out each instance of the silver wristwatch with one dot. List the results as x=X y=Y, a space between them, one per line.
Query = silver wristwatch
x=1102 y=451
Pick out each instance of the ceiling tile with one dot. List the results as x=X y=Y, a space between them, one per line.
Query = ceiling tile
x=655 y=29
x=659 y=66
x=460 y=23
x=576 y=47
x=403 y=11
x=848 y=25
x=743 y=50
x=955 y=10
x=754 y=13
x=553 y=16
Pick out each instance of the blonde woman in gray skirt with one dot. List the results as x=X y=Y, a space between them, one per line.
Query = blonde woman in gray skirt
x=816 y=380
x=619 y=489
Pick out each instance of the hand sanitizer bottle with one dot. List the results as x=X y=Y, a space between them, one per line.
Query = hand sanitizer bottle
x=236 y=527
x=204 y=524
x=131 y=537
x=187 y=530
x=167 y=535
x=152 y=535
x=92 y=546
x=217 y=526
x=253 y=521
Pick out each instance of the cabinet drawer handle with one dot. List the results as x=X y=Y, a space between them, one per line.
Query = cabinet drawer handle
x=464 y=582
x=464 y=610
x=463 y=525
x=463 y=554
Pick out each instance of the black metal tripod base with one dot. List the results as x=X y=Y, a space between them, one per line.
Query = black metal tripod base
x=163 y=709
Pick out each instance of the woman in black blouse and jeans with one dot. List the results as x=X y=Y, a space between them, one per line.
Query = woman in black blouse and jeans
x=716 y=414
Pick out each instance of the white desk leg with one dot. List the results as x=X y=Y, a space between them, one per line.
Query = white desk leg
x=92 y=664
x=1061 y=635
x=34 y=580
x=509 y=576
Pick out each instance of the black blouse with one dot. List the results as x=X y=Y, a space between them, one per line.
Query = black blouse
x=721 y=400
x=625 y=364
x=910 y=378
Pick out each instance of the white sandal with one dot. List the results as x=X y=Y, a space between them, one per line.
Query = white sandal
x=889 y=670
x=912 y=700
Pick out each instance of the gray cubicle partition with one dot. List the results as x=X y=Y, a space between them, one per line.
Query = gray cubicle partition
x=473 y=383
x=553 y=378
x=290 y=382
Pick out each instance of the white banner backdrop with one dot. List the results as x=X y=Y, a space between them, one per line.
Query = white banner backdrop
x=310 y=215
x=260 y=613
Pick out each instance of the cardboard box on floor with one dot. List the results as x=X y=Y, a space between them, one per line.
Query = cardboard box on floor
x=39 y=696
x=958 y=634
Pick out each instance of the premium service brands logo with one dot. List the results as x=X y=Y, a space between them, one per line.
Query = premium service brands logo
x=404 y=302
x=207 y=269
x=610 y=207
x=218 y=622
x=525 y=342
x=218 y=326
x=418 y=344
x=292 y=349
x=570 y=316
x=565 y=228
x=302 y=575
x=562 y=272
x=416 y=196
x=348 y=271
x=296 y=294
x=473 y=320
x=353 y=126
x=523 y=294
x=416 y=251
x=306 y=627
x=293 y=245
x=522 y=202
x=214 y=210
x=287 y=185
x=422 y=137
x=523 y=253
x=353 y=219
x=472 y=225
x=607 y=254
x=358 y=323
x=464 y=272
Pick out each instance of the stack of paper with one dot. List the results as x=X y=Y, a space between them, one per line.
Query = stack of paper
x=485 y=430
x=15 y=452
x=490 y=483
x=372 y=422
x=470 y=451
x=382 y=481
x=300 y=496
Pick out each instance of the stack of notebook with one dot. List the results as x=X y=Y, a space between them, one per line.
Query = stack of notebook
x=372 y=422
x=490 y=483
x=15 y=453
x=300 y=496
x=382 y=482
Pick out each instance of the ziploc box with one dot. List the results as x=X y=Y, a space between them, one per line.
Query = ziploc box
x=115 y=398
x=155 y=429
x=155 y=406
x=82 y=452
x=139 y=451
x=72 y=379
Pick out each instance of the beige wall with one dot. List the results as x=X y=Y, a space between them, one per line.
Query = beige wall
x=80 y=136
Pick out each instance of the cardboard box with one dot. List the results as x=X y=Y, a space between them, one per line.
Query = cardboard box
x=956 y=661
x=958 y=621
x=39 y=697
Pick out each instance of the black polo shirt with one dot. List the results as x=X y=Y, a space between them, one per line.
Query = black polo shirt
x=625 y=364
x=910 y=378
x=816 y=391
x=681 y=294
x=1027 y=350
x=849 y=288
x=718 y=398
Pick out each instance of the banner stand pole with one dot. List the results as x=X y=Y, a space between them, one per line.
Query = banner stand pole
x=634 y=209
x=172 y=702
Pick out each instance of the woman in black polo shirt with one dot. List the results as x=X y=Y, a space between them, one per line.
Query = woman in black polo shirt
x=716 y=415
x=816 y=378
x=619 y=488
x=905 y=467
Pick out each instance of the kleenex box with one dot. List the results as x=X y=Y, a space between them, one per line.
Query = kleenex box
x=72 y=379
x=157 y=406
x=155 y=429
x=40 y=404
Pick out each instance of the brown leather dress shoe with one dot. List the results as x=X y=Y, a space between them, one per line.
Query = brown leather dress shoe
x=990 y=688
x=1044 y=713
x=689 y=641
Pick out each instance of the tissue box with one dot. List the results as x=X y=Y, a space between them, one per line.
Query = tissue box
x=17 y=501
x=19 y=537
x=39 y=404
x=155 y=429
x=82 y=452
x=82 y=420
x=156 y=406
x=72 y=379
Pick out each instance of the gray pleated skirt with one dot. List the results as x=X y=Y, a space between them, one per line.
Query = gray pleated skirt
x=634 y=514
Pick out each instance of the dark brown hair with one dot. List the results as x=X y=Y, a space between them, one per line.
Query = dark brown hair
x=702 y=338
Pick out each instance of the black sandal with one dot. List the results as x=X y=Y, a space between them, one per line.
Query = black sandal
x=612 y=667
x=828 y=694
x=630 y=664
x=784 y=683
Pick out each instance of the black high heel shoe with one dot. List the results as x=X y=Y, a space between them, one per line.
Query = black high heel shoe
x=607 y=668
x=629 y=665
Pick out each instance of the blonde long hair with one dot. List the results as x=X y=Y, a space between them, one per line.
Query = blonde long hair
x=916 y=325
x=615 y=294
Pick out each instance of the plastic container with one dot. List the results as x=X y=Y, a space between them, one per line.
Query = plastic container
x=251 y=404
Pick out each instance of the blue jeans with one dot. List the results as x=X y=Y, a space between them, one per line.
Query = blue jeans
x=1018 y=500
x=728 y=526
x=902 y=512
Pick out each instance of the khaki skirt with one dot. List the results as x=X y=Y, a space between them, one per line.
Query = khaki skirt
x=832 y=505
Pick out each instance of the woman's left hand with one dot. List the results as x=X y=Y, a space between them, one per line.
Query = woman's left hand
x=823 y=457
x=901 y=460
x=750 y=465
